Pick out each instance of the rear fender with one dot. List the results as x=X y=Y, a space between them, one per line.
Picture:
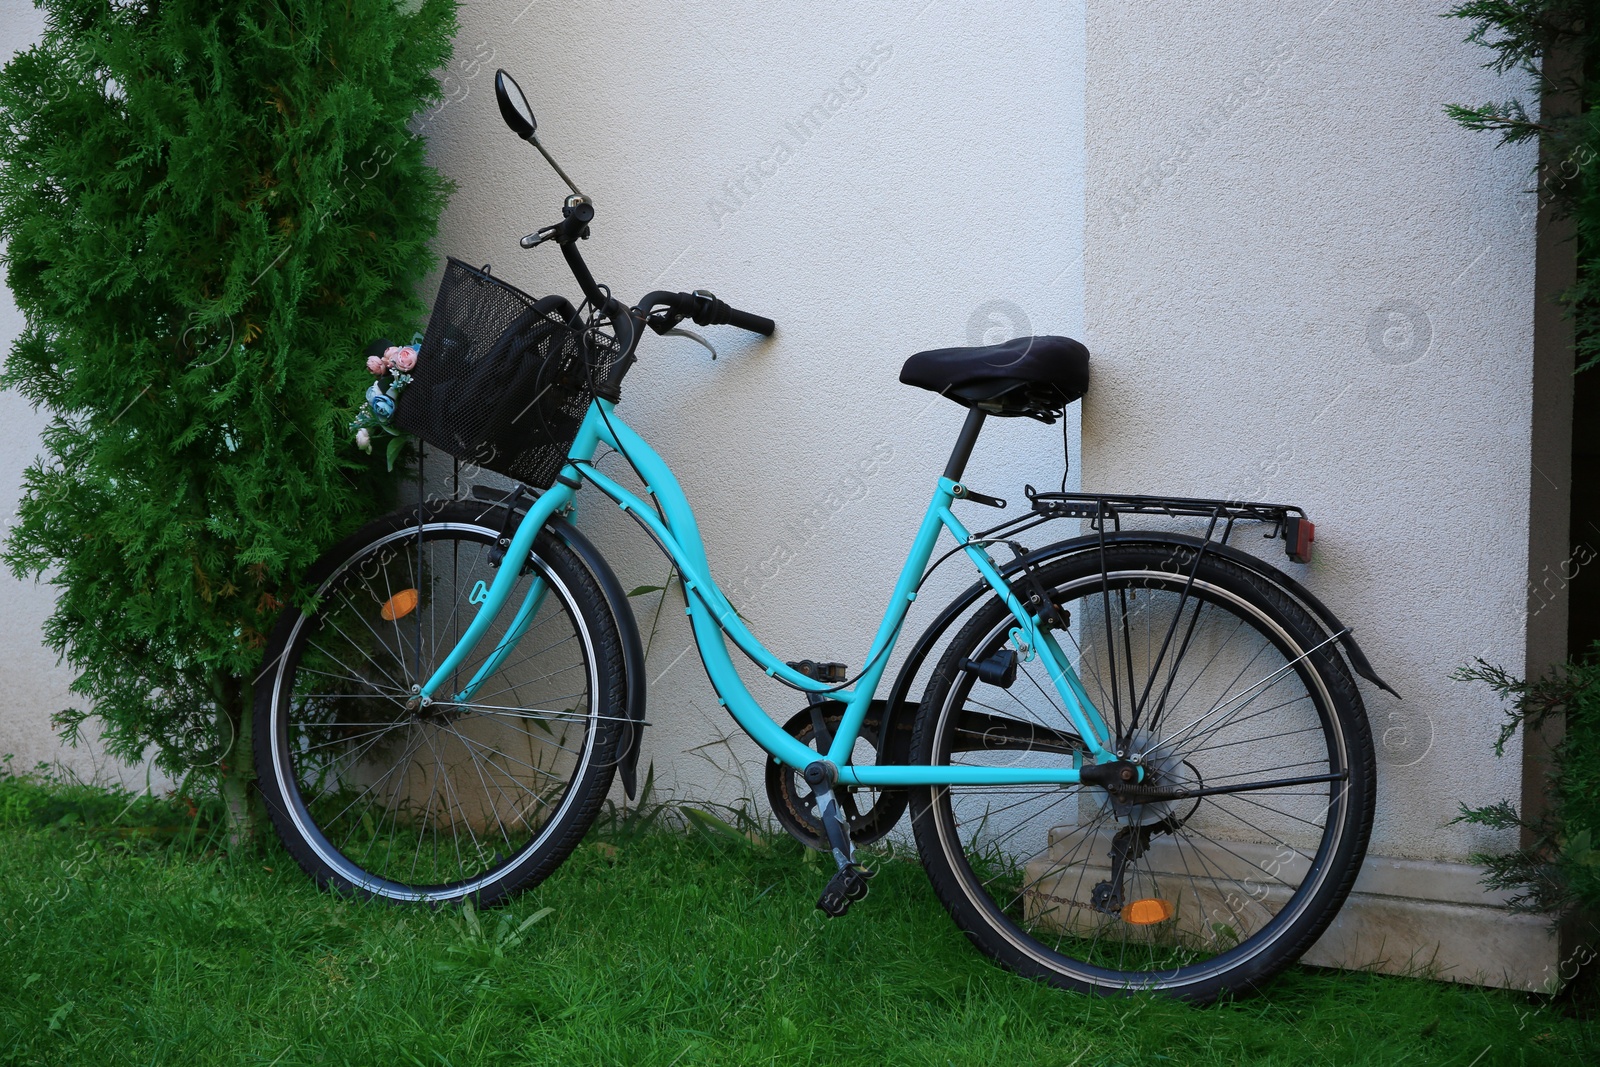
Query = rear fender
x=897 y=704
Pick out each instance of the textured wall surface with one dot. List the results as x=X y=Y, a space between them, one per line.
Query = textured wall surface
x=1299 y=280
x=1304 y=284
x=877 y=180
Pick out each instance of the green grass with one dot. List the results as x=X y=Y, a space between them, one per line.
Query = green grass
x=125 y=939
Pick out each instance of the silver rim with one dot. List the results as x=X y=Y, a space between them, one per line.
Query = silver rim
x=1252 y=875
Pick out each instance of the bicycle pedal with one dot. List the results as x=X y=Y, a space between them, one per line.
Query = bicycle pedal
x=821 y=672
x=846 y=887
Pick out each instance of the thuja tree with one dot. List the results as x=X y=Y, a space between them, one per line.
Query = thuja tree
x=1558 y=866
x=208 y=209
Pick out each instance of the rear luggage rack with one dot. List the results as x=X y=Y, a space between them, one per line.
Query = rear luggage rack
x=1288 y=521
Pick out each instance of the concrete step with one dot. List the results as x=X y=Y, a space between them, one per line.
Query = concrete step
x=1423 y=917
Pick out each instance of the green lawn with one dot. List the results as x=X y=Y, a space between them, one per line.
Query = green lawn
x=120 y=943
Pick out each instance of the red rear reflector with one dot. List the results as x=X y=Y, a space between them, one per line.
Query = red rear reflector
x=1298 y=533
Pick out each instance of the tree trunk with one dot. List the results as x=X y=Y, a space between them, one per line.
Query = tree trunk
x=236 y=773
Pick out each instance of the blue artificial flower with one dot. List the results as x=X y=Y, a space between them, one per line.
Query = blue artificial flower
x=382 y=405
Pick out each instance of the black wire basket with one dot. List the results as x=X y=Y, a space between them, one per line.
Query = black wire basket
x=502 y=380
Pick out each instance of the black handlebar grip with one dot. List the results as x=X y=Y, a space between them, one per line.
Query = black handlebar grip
x=746 y=321
x=710 y=311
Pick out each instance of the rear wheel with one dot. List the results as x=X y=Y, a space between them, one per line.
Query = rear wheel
x=1225 y=689
x=483 y=790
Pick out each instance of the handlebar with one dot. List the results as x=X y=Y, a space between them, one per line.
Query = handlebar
x=720 y=313
x=576 y=214
x=704 y=308
x=701 y=306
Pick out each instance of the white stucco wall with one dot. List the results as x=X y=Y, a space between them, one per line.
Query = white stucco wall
x=1304 y=283
x=1299 y=280
x=935 y=200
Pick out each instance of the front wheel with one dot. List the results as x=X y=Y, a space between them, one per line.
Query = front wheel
x=482 y=790
x=1225 y=689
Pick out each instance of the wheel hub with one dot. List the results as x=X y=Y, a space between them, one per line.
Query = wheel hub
x=1160 y=763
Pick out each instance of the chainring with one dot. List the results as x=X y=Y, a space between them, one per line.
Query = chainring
x=871 y=812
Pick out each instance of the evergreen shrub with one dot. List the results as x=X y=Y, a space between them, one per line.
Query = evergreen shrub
x=208 y=209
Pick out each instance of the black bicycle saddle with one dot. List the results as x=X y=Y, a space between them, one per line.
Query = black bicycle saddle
x=1033 y=376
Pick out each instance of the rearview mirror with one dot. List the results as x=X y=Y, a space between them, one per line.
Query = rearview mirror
x=514 y=106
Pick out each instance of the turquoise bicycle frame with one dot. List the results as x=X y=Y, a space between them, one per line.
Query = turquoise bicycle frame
x=713 y=619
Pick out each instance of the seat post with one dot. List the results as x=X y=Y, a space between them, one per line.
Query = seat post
x=964 y=442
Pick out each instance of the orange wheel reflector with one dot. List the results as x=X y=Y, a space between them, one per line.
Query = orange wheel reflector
x=400 y=605
x=1147 y=912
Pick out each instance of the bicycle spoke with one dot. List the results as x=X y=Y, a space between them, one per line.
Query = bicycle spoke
x=1111 y=891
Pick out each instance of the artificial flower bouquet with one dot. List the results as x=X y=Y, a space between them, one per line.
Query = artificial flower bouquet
x=391 y=367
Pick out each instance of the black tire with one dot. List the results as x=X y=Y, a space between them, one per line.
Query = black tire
x=1218 y=893
x=474 y=799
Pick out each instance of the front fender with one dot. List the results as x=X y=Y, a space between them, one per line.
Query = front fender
x=627 y=628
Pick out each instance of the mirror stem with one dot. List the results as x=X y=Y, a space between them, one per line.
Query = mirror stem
x=556 y=166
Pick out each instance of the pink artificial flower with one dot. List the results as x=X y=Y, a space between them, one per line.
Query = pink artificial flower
x=376 y=365
x=363 y=438
x=404 y=358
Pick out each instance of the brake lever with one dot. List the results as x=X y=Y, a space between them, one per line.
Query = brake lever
x=678 y=331
x=539 y=237
x=663 y=322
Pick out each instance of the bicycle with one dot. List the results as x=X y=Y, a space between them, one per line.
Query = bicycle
x=442 y=715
